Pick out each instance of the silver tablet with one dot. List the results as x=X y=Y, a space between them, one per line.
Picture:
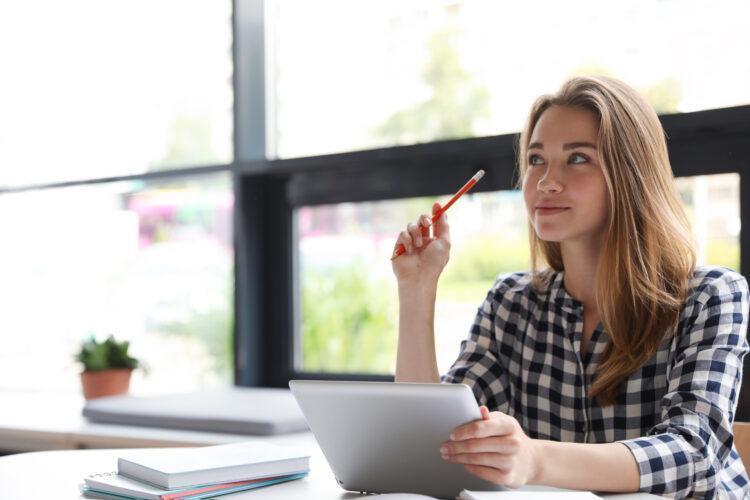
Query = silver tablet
x=382 y=437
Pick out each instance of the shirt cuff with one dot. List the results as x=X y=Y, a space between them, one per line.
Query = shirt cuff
x=667 y=464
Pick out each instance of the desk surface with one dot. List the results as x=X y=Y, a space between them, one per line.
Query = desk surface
x=57 y=474
x=43 y=421
x=31 y=422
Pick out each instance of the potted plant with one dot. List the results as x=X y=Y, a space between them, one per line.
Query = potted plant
x=107 y=367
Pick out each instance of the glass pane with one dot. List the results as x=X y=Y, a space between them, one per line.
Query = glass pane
x=713 y=206
x=97 y=89
x=348 y=296
x=422 y=70
x=149 y=262
x=348 y=293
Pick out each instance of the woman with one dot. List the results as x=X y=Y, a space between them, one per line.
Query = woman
x=618 y=367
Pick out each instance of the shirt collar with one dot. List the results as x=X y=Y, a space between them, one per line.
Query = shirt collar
x=561 y=296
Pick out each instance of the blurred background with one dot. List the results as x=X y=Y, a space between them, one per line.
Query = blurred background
x=97 y=96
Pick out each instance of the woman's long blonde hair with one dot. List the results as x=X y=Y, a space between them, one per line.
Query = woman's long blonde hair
x=648 y=251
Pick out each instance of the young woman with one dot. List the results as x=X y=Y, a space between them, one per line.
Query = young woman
x=616 y=368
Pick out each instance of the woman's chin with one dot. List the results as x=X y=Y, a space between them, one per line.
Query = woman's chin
x=550 y=236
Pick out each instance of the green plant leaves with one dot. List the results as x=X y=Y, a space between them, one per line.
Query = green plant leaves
x=105 y=355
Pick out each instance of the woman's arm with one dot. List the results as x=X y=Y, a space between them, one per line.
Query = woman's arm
x=583 y=466
x=417 y=272
x=687 y=452
x=497 y=450
x=415 y=359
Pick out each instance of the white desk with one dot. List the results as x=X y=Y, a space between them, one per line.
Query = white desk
x=34 y=422
x=31 y=422
x=57 y=474
x=40 y=421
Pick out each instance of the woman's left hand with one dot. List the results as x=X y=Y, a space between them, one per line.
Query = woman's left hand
x=494 y=449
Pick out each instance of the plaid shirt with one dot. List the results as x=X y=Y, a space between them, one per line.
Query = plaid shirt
x=522 y=357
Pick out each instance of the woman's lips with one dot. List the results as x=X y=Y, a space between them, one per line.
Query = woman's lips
x=550 y=211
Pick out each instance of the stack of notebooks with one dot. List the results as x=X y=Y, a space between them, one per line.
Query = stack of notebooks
x=194 y=473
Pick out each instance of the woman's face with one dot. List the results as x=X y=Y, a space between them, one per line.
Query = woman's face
x=564 y=186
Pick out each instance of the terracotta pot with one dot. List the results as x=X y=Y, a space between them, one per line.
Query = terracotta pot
x=97 y=384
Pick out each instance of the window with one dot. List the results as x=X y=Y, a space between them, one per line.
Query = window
x=151 y=262
x=349 y=317
x=412 y=72
x=117 y=123
x=349 y=303
x=107 y=227
x=95 y=90
x=335 y=219
x=713 y=206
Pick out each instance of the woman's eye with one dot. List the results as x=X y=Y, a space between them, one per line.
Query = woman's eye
x=535 y=160
x=578 y=158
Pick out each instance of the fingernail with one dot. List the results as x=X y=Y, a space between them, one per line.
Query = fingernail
x=444 y=450
x=453 y=437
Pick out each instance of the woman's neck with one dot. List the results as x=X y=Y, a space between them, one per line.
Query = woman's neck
x=580 y=260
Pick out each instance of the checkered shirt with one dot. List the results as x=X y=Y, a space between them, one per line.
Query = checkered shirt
x=522 y=357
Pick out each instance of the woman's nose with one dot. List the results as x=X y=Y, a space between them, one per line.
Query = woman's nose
x=549 y=182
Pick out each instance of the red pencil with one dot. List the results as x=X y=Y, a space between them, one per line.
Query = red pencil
x=401 y=249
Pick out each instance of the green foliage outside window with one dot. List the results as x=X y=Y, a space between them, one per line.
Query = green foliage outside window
x=474 y=266
x=348 y=321
x=454 y=107
x=349 y=318
x=213 y=328
x=725 y=252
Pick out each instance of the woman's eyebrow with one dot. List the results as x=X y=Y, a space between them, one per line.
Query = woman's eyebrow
x=570 y=145
x=574 y=145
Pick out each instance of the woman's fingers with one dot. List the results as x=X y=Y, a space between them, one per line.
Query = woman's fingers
x=404 y=238
x=488 y=474
x=425 y=221
x=441 y=229
x=498 y=425
x=500 y=462
x=505 y=445
x=415 y=233
x=485 y=412
x=420 y=232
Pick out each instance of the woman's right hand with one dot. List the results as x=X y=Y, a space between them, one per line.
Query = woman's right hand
x=426 y=255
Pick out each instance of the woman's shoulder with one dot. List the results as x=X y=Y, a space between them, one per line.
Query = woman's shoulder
x=516 y=281
x=714 y=281
x=519 y=284
x=717 y=296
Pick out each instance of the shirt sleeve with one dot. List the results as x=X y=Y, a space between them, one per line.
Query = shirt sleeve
x=685 y=453
x=477 y=364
